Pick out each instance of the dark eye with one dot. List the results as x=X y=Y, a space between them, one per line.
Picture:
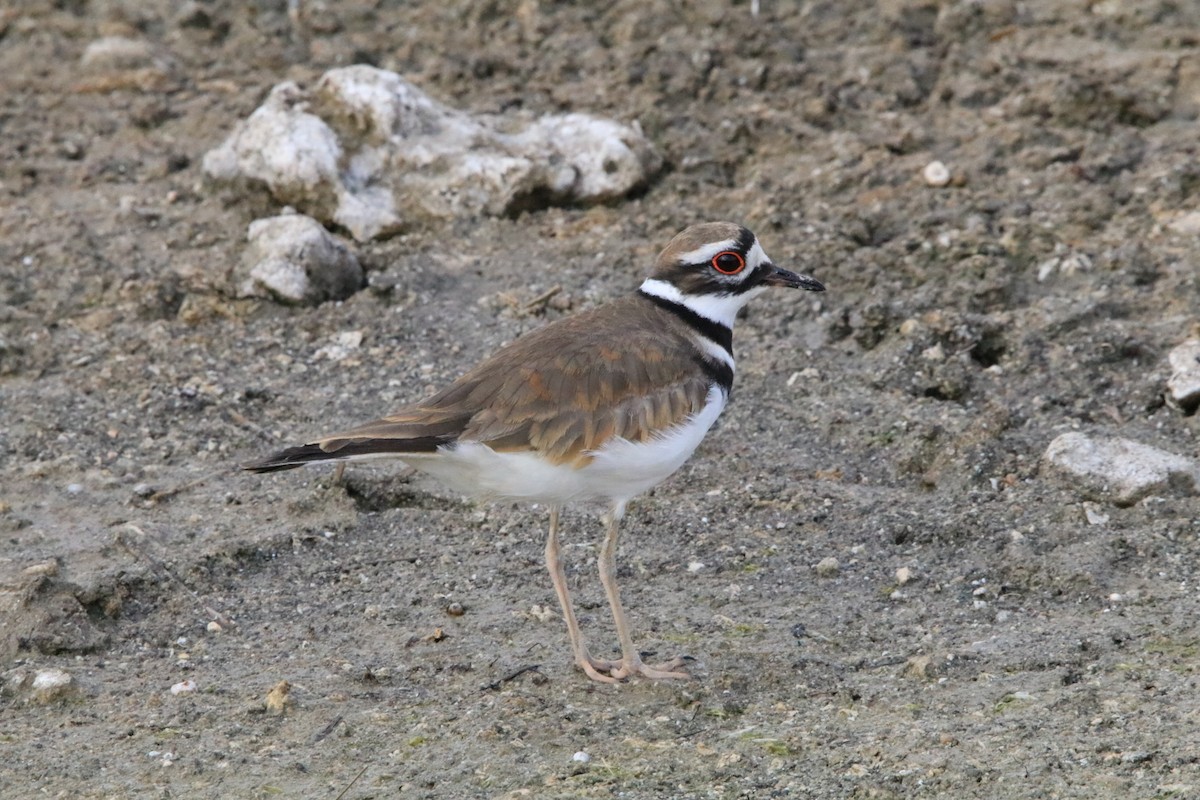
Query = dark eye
x=728 y=263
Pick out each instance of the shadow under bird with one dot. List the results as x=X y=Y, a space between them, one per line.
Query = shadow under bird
x=602 y=405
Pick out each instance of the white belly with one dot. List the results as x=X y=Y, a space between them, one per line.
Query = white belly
x=617 y=472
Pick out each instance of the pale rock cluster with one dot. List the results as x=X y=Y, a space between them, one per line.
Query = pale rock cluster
x=369 y=152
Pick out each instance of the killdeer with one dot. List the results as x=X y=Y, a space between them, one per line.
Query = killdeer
x=602 y=405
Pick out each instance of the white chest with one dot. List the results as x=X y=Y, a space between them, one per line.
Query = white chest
x=617 y=472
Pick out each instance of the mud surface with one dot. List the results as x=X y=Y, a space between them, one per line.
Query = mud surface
x=989 y=630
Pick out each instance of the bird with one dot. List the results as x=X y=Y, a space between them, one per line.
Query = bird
x=601 y=406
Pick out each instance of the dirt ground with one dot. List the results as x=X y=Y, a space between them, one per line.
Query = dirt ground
x=990 y=630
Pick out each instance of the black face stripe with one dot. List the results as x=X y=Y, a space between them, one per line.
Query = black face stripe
x=717 y=371
x=755 y=278
x=715 y=332
x=728 y=288
x=705 y=282
x=745 y=241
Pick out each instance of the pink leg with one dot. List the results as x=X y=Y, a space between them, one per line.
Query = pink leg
x=631 y=659
x=594 y=668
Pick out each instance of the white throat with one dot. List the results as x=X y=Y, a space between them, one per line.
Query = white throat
x=720 y=308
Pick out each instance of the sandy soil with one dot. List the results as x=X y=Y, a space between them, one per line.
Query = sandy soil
x=981 y=636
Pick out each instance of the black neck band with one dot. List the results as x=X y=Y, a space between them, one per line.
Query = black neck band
x=714 y=331
x=717 y=371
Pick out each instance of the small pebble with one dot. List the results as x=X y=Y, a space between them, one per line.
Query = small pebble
x=1075 y=263
x=903 y=575
x=1188 y=224
x=543 y=613
x=1183 y=387
x=1047 y=268
x=918 y=667
x=117 y=52
x=695 y=566
x=828 y=567
x=581 y=757
x=45 y=569
x=213 y=627
x=455 y=609
x=936 y=174
x=184 y=687
x=277 y=698
x=342 y=346
x=74 y=488
x=143 y=490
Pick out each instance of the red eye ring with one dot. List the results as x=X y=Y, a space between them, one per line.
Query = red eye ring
x=728 y=262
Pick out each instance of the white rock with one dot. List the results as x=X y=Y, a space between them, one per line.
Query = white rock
x=117 y=53
x=935 y=353
x=1187 y=223
x=368 y=151
x=52 y=685
x=1066 y=264
x=293 y=259
x=184 y=687
x=1122 y=469
x=1184 y=383
x=828 y=567
x=1074 y=263
x=48 y=568
x=281 y=145
x=341 y=347
x=1047 y=268
x=936 y=174
x=1094 y=515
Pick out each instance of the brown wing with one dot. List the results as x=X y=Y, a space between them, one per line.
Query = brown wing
x=566 y=401
x=563 y=390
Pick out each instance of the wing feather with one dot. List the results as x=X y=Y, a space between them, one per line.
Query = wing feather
x=563 y=391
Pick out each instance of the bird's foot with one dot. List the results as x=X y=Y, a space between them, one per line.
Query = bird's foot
x=598 y=669
x=668 y=670
x=618 y=671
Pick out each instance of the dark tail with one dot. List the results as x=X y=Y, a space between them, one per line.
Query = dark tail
x=346 y=450
x=291 y=458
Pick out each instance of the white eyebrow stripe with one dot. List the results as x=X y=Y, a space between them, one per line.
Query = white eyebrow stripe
x=704 y=254
x=755 y=256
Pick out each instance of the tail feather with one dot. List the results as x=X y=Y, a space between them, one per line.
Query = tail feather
x=346 y=450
